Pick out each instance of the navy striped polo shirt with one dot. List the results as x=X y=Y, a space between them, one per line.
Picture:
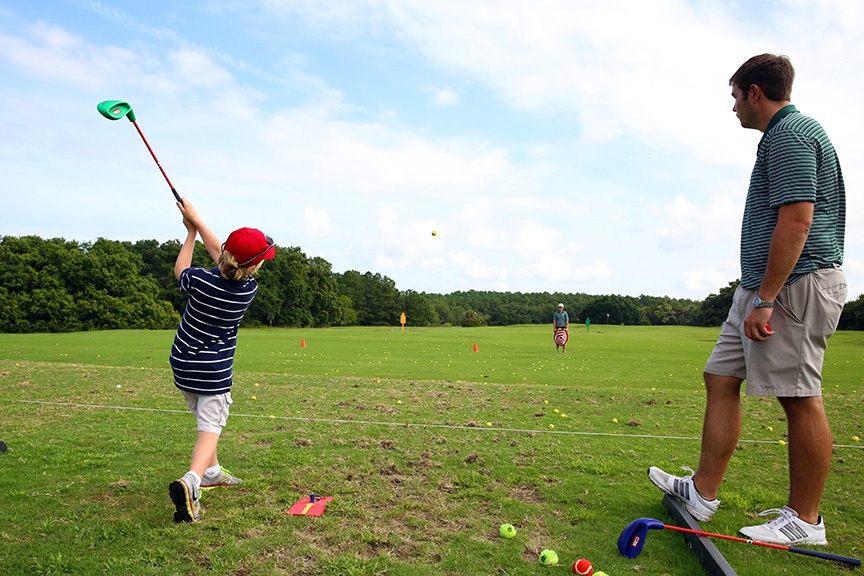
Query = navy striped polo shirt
x=202 y=356
x=795 y=162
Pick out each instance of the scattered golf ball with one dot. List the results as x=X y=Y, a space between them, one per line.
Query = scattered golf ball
x=769 y=428
x=398 y=401
x=583 y=567
x=600 y=573
x=119 y=386
x=272 y=416
x=548 y=558
x=545 y=401
x=614 y=420
x=254 y=398
x=855 y=439
x=256 y=385
x=507 y=531
x=556 y=411
x=782 y=442
x=551 y=426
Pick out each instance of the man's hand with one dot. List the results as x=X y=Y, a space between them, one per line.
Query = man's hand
x=756 y=326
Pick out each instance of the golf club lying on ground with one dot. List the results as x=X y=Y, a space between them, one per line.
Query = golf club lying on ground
x=116 y=109
x=633 y=538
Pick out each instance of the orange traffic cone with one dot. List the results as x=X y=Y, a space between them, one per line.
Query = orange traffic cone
x=475 y=347
x=302 y=343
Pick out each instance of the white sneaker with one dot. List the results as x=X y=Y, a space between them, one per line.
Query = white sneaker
x=786 y=529
x=224 y=478
x=185 y=498
x=684 y=490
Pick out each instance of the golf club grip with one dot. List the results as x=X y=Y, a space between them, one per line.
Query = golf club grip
x=826 y=556
x=176 y=195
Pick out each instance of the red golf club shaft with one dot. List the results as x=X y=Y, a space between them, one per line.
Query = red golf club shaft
x=724 y=537
x=804 y=551
x=140 y=133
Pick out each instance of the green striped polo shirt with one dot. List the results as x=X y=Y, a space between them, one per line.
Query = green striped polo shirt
x=795 y=162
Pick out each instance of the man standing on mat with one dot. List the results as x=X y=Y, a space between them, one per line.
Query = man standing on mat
x=560 y=321
x=788 y=304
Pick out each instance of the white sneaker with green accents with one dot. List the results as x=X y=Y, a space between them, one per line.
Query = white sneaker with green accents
x=224 y=478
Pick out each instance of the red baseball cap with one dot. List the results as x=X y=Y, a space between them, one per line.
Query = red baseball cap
x=250 y=246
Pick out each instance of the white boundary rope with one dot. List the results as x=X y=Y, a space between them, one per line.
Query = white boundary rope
x=402 y=424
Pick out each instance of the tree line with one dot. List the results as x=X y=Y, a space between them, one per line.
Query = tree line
x=57 y=285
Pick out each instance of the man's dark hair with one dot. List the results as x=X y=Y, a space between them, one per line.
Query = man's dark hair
x=773 y=74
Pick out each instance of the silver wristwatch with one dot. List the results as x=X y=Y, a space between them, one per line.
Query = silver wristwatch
x=759 y=303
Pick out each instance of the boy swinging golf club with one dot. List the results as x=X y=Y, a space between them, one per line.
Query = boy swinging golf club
x=202 y=356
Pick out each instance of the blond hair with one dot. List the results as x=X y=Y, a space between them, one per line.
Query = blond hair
x=230 y=269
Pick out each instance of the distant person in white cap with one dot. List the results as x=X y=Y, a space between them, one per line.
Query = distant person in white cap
x=561 y=323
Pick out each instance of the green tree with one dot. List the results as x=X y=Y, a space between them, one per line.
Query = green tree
x=111 y=291
x=418 y=309
x=373 y=297
x=715 y=308
x=33 y=297
x=284 y=295
x=325 y=307
x=60 y=286
x=852 y=317
x=615 y=310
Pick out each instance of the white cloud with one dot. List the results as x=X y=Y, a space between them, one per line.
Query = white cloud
x=705 y=281
x=445 y=98
x=316 y=222
x=687 y=225
x=474 y=267
x=198 y=69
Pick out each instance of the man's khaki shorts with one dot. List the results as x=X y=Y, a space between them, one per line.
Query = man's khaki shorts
x=211 y=411
x=789 y=363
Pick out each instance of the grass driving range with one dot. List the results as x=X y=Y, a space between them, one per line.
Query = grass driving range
x=426 y=447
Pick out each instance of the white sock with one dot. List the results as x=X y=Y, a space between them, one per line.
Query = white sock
x=213 y=471
x=196 y=481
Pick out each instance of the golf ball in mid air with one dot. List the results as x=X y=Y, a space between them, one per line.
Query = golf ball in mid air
x=434 y=232
x=507 y=531
x=548 y=558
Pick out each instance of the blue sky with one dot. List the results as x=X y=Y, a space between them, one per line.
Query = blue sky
x=553 y=145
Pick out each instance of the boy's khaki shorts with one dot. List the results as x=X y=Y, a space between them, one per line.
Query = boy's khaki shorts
x=211 y=411
x=789 y=363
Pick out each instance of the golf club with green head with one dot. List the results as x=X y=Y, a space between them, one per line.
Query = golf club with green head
x=116 y=109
